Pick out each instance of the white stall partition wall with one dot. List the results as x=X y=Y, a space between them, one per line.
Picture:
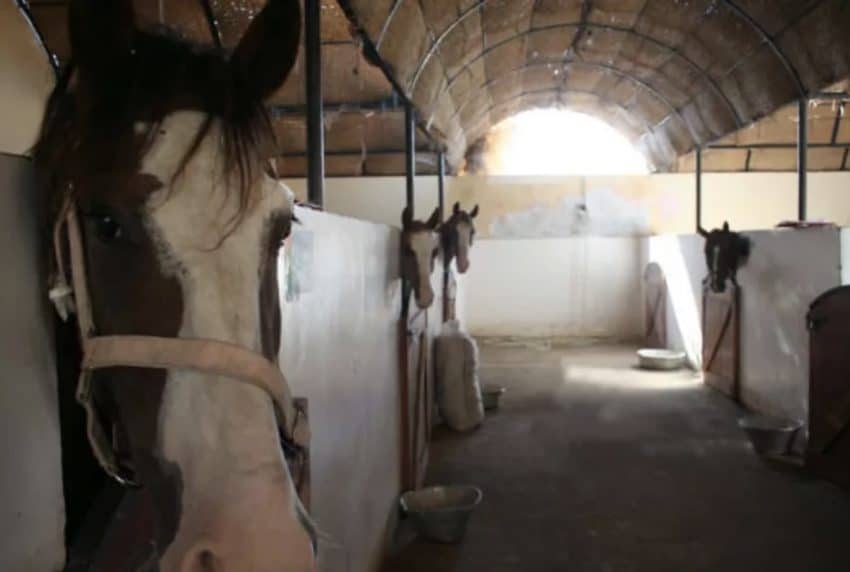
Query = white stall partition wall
x=561 y=287
x=681 y=258
x=787 y=270
x=845 y=256
x=340 y=297
x=32 y=509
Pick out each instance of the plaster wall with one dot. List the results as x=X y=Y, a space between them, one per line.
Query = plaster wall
x=375 y=199
x=530 y=207
x=27 y=79
x=786 y=272
x=653 y=204
x=845 y=256
x=341 y=298
x=32 y=509
x=682 y=260
x=576 y=286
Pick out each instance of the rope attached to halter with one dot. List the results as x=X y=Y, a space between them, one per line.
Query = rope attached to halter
x=213 y=357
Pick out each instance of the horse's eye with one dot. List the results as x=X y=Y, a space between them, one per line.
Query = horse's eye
x=107 y=228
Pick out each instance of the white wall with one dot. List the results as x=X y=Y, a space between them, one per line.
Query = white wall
x=845 y=256
x=375 y=199
x=787 y=270
x=339 y=349
x=26 y=79
x=32 y=509
x=682 y=260
x=578 y=286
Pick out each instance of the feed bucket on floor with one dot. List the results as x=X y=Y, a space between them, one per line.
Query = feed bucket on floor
x=660 y=360
x=440 y=514
x=770 y=436
x=491 y=395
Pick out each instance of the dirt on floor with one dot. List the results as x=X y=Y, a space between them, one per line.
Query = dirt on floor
x=592 y=465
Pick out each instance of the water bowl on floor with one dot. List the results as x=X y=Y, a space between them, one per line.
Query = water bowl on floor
x=770 y=436
x=661 y=360
x=491 y=395
x=440 y=514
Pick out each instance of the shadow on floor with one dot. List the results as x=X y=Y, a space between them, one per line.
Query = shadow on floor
x=592 y=465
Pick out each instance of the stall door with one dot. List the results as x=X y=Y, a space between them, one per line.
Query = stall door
x=829 y=385
x=721 y=340
x=417 y=397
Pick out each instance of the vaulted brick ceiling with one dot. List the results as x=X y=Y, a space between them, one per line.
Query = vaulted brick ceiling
x=671 y=73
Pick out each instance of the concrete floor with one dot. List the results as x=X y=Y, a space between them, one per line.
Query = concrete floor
x=592 y=465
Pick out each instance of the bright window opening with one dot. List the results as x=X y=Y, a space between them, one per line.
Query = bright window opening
x=560 y=142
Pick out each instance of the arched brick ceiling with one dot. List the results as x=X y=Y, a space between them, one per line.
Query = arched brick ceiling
x=667 y=73
x=677 y=73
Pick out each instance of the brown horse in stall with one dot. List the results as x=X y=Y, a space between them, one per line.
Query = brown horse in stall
x=420 y=244
x=456 y=236
x=725 y=252
x=153 y=153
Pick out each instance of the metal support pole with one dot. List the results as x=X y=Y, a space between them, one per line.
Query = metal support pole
x=441 y=184
x=441 y=204
x=802 y=156
x=699 y=189
x=315 y=112
x=410 y=153
x=410 y=174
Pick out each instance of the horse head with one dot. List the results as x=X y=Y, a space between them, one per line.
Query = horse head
x=725 y=252
x=420 y=244
x=457 y=235
x=158 y=148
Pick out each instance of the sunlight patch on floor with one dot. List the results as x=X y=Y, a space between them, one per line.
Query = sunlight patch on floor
x=629 y=379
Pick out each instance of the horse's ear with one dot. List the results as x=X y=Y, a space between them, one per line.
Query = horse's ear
x=474 y=212
x=268 y=50
x=406 y=217
x=102 y=34
x=726 y=226
x=434 y=219
x=456 y=208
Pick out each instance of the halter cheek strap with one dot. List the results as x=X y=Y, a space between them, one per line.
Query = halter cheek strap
x=212 y=357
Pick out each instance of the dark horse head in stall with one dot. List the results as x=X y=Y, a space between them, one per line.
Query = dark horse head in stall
x=725 y=252
x=457 y=235
x=420 y=244
x=158 y=149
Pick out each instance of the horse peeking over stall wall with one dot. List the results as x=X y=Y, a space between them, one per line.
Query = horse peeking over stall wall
x=168 y=229
x=420 y=244
x=725 y=252
x=456 y=236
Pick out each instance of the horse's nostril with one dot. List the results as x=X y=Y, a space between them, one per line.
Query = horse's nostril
x=207 y=561
x=203 y=560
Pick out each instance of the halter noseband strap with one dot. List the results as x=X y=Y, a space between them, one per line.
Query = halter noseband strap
x=213 y=357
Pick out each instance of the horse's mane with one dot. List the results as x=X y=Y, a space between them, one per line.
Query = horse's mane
x=87 y=116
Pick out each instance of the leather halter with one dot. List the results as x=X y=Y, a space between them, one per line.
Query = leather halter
x=213 y=357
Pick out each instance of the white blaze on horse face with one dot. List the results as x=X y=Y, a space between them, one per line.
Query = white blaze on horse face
x=423 y=244
x=464 y=241
x=239 y=507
